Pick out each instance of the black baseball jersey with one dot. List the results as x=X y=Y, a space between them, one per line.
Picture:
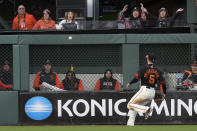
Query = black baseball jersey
x=150 y=76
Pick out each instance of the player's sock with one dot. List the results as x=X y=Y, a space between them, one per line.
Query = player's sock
x=132 y=114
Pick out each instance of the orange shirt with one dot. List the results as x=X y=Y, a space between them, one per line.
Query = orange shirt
x=43 y=25
x=23 y=23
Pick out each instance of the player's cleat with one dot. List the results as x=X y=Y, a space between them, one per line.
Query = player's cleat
x=147 y=114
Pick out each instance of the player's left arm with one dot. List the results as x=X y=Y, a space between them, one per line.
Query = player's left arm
x=137 y=77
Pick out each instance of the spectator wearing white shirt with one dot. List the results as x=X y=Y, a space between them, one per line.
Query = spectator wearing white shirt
x=69 y=22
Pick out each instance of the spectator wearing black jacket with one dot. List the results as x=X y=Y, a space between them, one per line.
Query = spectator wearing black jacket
x=162 y=21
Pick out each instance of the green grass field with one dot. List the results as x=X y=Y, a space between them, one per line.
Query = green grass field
x=102 y=128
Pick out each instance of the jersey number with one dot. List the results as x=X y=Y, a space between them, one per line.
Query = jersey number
x=152 y=79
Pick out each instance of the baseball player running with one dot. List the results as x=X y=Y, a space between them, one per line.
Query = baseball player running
x=149 y=76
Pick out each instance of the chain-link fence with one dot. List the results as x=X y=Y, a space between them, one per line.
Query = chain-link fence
x=6 y=67
x=173 y=59
x=89 y=61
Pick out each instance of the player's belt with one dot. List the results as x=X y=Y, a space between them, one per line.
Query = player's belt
x=148 y=87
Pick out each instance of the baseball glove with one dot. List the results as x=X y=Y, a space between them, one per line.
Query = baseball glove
x=159 y=97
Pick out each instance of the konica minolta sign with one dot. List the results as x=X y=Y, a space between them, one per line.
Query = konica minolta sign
x=102 y=108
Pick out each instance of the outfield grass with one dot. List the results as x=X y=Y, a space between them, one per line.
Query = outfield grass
x=102 y=128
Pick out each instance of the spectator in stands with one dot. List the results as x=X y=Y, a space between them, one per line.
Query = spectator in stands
x=72 y=83
x=46 y=75
x=69 y=22
x=190 y=76
x=23 y=21
x=6 y=77
x=137 y=19
x=163 y=21
x=45 y=23
x=107 y=82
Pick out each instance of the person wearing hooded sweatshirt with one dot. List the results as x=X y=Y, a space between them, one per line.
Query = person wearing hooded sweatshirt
x=6 y=77
x=137 y=19
x=107 y=82
x=72 y=83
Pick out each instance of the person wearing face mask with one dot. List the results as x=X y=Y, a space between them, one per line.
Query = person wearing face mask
x=163 y=21
x=23 y=21
x=69 y=22
x=6 y=77
x=46 y=23
x=136 y=20
x=107 y=82
x=72 y=83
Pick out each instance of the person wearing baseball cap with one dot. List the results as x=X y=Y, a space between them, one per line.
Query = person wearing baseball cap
x=190 y=75
x=46 y=75
x=45 y=23
x=149 y=76
x=163 y=21
x=134 y=21
x=6 y=77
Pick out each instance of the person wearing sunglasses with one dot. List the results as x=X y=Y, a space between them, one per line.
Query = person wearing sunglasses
x=23 y=21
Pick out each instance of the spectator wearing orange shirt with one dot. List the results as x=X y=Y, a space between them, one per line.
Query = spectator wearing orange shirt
x=47 y=76
x=6 y=77
x=108 y=82
x=23 y=21
x=46 y=23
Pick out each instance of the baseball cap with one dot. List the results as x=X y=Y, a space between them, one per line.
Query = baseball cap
x=162 y=9
x=135 y=9
x=47 y=62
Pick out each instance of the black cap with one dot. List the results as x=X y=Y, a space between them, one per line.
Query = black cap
x=162 y=9
x=47 y=62
x=135 y=9
x=151 y=57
